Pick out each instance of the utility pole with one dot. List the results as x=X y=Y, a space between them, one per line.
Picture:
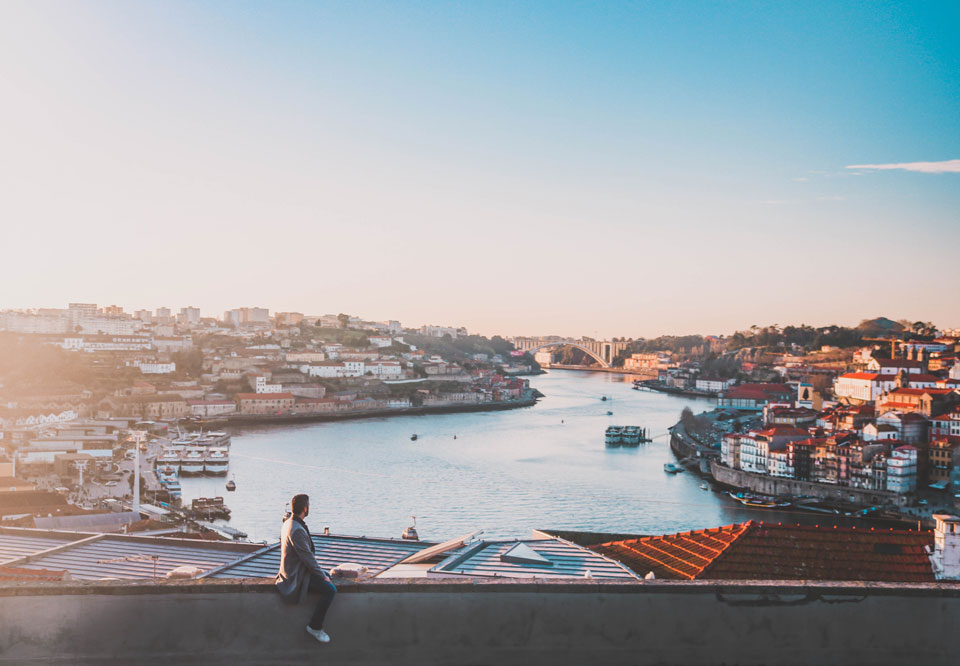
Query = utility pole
x=139 y=436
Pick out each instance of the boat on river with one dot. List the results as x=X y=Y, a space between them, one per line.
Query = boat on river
x=216 y=461
x=614 y=435
x=671 y=468
x=170 y=457
x=760 y=501
x=192 y=461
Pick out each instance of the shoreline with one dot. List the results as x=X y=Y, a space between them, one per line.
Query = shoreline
x=283 y=419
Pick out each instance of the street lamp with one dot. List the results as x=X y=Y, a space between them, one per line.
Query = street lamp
x=139 y=436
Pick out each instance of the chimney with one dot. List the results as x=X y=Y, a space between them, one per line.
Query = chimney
x=946 y=547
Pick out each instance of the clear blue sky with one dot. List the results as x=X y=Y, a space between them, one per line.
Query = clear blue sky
x=518 y=168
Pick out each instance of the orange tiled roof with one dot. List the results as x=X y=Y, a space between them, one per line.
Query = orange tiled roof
x=757 y=551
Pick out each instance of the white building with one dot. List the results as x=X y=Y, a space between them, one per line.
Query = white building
x=902 y=470
x=946 y=547
x=863 y=386
x=384 y=368
x=103 y=343
x=334 y=369
x=714 y=384
x=261 y=386
x=440 y=331
x=156 y=368
x=955 y=370
x=380 y=340
x=242 y=316
x=189 y=316
x=28 y=322
x=109 y=325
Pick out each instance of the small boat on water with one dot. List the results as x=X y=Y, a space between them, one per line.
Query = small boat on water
x=760 y=501
x=609 y=413
x=231 y=485
x=704 y=486
x=670 y=468
x=603 y=398
x=413 y=437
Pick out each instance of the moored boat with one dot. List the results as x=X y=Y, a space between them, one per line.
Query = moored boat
x=216 y=462
x=614 y=435
x=192 y=461
x=760 y=501
x=670 y=468
x=631 y=435
x=170 y=457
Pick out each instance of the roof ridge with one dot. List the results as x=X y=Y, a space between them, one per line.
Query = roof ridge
x=748 y=526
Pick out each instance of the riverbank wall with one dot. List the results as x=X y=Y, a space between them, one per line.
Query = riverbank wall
x=694 y=623
x=765 y=484
x=279 y=419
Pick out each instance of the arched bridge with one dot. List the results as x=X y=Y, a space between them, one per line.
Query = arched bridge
x=602 y=351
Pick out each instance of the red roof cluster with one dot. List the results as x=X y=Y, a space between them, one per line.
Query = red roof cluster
x=763 y=551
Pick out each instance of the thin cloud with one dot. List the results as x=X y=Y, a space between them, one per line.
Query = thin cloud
x=801 y=179
x=947 y=166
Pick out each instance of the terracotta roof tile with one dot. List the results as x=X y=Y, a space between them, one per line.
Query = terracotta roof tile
x=755 y=551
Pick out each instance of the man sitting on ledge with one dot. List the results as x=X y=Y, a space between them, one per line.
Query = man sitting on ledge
x=299 y=570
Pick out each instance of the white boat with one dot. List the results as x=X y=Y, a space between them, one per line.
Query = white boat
x=631 y=435
x=170 y=457
x=614 y=435
x=192 y=461
x=216 y=462
x=670 y=468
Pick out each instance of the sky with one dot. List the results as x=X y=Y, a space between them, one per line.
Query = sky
x=518 y=168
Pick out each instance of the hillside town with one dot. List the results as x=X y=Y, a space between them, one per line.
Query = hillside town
x=875 y=426
x=77 y=385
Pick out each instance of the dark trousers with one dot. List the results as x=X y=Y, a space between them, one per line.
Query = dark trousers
x=327 y=592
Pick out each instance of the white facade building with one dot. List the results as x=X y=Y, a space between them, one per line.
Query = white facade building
x=902 y=470
x=863 y=386
x=261 y=386
x=384 y=368
x=156 y=368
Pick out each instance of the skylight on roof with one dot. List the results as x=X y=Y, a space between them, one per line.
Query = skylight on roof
x=524 y=554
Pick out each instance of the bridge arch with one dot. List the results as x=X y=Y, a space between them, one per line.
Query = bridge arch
x=565 y=343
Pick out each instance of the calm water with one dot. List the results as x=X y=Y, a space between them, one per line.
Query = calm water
x=505 y=473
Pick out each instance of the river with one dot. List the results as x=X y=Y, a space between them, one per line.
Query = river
x=503 y=472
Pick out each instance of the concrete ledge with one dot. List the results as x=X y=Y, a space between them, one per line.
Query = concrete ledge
x=483 y=622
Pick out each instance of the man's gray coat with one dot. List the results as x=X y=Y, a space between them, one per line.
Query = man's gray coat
x=297 y=562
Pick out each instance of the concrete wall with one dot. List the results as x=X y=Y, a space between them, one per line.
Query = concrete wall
x=771 y=485
x=426 y=623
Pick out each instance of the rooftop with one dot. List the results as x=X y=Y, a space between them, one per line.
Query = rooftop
x=756 y=550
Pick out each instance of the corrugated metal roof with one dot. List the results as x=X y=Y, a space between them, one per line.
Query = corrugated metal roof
x=567 y=560
x=14 y=546
x=143 y=557
x=375 y=554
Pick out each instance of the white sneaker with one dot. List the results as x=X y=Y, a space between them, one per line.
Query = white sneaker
x=319 y=634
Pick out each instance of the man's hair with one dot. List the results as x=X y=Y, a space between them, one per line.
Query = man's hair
x=299 y=503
